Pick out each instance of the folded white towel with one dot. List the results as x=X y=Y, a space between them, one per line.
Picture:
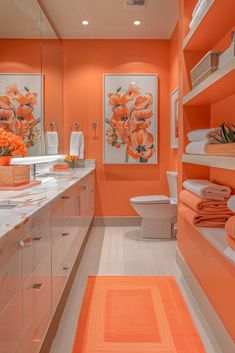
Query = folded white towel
x=198 y=6
x=52 y=142
x=206 y=189
x=231 y=203
x=204 y=134
x=197 y=147
x=77 y=144
x=230 y=253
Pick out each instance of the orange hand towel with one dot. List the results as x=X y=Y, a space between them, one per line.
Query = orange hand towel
x=203 y=206
x=230 y=227
x=203 y=220
x=231 y=242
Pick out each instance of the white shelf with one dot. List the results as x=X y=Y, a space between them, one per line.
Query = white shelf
x=210 y=161
x=194 y=29
x=214 y=88
x=217 y=238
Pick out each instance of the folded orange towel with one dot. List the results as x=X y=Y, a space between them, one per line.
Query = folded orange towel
x=203 y=206
x=230 y=227
x=231 y=242
x=203 y=220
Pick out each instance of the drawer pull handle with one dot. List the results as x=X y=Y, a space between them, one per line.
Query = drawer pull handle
x=37 y=285
x=37 y=238
x=83 y=187
x=65 y=197
x=66 y=268
x=65 y=234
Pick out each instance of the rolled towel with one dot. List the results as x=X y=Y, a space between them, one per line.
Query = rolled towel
x=230 y=227
x=77 y=144
x=203 y=220
x=52 y=142
x=197 y=147
x=231 y=242
x=231 y=203
x=206 y=189
x=204 y=135
x=203 y=206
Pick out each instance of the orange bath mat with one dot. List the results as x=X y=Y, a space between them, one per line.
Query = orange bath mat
x=135 y=315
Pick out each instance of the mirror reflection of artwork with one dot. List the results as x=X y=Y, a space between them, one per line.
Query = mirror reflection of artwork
x=21 y=108
x=130 y=119
x=174 y=118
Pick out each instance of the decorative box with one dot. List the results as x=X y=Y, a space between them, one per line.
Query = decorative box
x=205 y=67
x=14 y=175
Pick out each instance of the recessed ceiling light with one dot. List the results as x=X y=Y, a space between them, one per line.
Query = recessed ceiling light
x=85 y=22
x=137 y=22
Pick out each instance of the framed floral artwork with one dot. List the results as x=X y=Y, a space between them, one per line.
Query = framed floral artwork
x=174 y=118
x=21 y=108
x=130 y=118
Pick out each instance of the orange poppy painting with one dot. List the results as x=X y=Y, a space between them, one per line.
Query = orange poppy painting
x=21 y=108
x=130 y=119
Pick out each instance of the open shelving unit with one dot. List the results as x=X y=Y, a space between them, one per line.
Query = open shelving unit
x=212 y=102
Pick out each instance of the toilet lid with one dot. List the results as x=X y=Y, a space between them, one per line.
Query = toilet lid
x=151 y=199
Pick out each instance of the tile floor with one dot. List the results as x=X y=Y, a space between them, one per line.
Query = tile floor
x=120 y=251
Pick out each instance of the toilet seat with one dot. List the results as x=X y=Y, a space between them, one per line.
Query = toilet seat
x=151 y=199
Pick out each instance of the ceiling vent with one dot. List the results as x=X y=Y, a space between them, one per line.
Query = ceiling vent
x=136 y=2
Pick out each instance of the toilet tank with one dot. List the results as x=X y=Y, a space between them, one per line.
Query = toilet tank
x=172 y=178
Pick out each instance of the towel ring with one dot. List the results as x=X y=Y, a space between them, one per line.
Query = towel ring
x=76 y=127
x=52 y=126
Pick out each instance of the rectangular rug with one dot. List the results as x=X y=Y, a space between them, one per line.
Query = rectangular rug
x=122 y=314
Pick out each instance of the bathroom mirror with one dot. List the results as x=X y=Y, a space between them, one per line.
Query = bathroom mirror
x=30 y=74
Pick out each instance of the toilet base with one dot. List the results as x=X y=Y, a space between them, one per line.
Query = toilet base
x=153 y=229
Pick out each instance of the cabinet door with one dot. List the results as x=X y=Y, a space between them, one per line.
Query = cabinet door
x=10 y=294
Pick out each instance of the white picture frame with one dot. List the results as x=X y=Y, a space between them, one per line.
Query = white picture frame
x=131 y=118
x=174 y=118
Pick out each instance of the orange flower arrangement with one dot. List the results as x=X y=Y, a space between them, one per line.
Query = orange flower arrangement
x=131 y=117
x=11 y=144
x=72 y=161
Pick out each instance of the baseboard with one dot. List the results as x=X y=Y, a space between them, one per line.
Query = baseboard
x=223 y=339
x=116 y=221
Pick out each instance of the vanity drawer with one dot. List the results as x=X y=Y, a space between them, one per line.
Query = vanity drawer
x=37 y=293
x=11 y=325
x=35 y=244
x=10 y=270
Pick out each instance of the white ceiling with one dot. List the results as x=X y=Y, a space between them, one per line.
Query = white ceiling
x=112 y=19
x=24 y=19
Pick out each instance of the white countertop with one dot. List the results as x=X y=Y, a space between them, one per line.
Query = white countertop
x=31 y=200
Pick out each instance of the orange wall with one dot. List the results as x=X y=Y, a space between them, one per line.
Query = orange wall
x=36 y=56
x=85 y=62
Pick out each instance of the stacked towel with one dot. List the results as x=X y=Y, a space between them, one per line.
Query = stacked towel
x=203 y=220
x=207 y=190
x=198 y=10
x=77 y=144
x=203 y=212
x=230 y=229
x=204 y=135
x=200 y=139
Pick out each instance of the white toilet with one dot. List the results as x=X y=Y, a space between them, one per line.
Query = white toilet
x=158 y=212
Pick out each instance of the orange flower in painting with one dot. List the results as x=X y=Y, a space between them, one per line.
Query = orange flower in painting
x=140 y=145
x=121 y=113
x=6 y=113
x=133 y=91
x=144 y=102
x=13 y=92
x=116 y=99
x=141 y=118
x=25 y=119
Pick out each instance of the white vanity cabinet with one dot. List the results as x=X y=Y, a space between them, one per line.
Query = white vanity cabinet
x=35 y=263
